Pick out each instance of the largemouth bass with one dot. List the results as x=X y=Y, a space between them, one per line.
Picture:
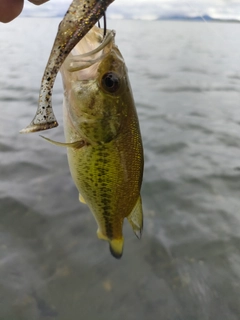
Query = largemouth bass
x=80 y=17
x=105 y=151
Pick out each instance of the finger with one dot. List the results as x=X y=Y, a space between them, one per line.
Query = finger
x=10 y=9
x=38 y=2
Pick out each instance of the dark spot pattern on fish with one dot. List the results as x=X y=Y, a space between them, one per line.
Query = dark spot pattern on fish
x=108 y=174
x=92 y=102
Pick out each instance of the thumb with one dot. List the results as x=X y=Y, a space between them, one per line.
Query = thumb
x=38 y=2
x=10 y=9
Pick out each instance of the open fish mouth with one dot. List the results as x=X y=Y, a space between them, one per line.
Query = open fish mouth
x=81 y=73
x=84 y=56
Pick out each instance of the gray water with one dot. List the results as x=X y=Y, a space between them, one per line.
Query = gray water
x=185 y=78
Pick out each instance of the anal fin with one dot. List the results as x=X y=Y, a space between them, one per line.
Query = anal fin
x=136 y=218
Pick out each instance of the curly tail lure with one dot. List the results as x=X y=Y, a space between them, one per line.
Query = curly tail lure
x=81 y=16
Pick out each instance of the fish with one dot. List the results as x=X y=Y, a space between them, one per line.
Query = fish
x=103 y=138
x=80 y=17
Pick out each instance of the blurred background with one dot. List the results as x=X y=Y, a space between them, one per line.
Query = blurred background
x=150 y=9
x=183 y=62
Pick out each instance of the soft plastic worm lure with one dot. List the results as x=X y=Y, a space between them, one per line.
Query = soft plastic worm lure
x=78 y=20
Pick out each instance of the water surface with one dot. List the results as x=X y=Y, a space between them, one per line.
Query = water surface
x=185 y=77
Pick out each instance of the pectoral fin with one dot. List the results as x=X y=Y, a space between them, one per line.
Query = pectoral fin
x=81 y=199
x=136 y=218
x=76 y=145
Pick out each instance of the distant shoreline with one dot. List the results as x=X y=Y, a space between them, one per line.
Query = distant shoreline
x=199 y=19
x=188 y=19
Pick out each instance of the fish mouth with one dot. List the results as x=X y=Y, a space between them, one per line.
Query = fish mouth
x=93 y=48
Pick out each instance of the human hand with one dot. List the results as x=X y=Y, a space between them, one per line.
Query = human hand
x=10 y=9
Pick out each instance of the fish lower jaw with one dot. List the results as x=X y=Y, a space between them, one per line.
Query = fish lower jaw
x=115 y=245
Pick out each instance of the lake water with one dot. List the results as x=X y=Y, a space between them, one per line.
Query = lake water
x=186 y=82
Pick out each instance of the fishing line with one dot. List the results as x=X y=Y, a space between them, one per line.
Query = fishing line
x=104 y=24
x=198 y=14
x=209 y=26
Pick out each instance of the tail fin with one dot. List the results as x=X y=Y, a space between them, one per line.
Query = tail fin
x=116 y=247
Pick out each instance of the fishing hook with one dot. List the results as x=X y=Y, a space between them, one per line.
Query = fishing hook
x=104 y=25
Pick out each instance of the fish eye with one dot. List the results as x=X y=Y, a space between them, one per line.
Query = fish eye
x=110 y=82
